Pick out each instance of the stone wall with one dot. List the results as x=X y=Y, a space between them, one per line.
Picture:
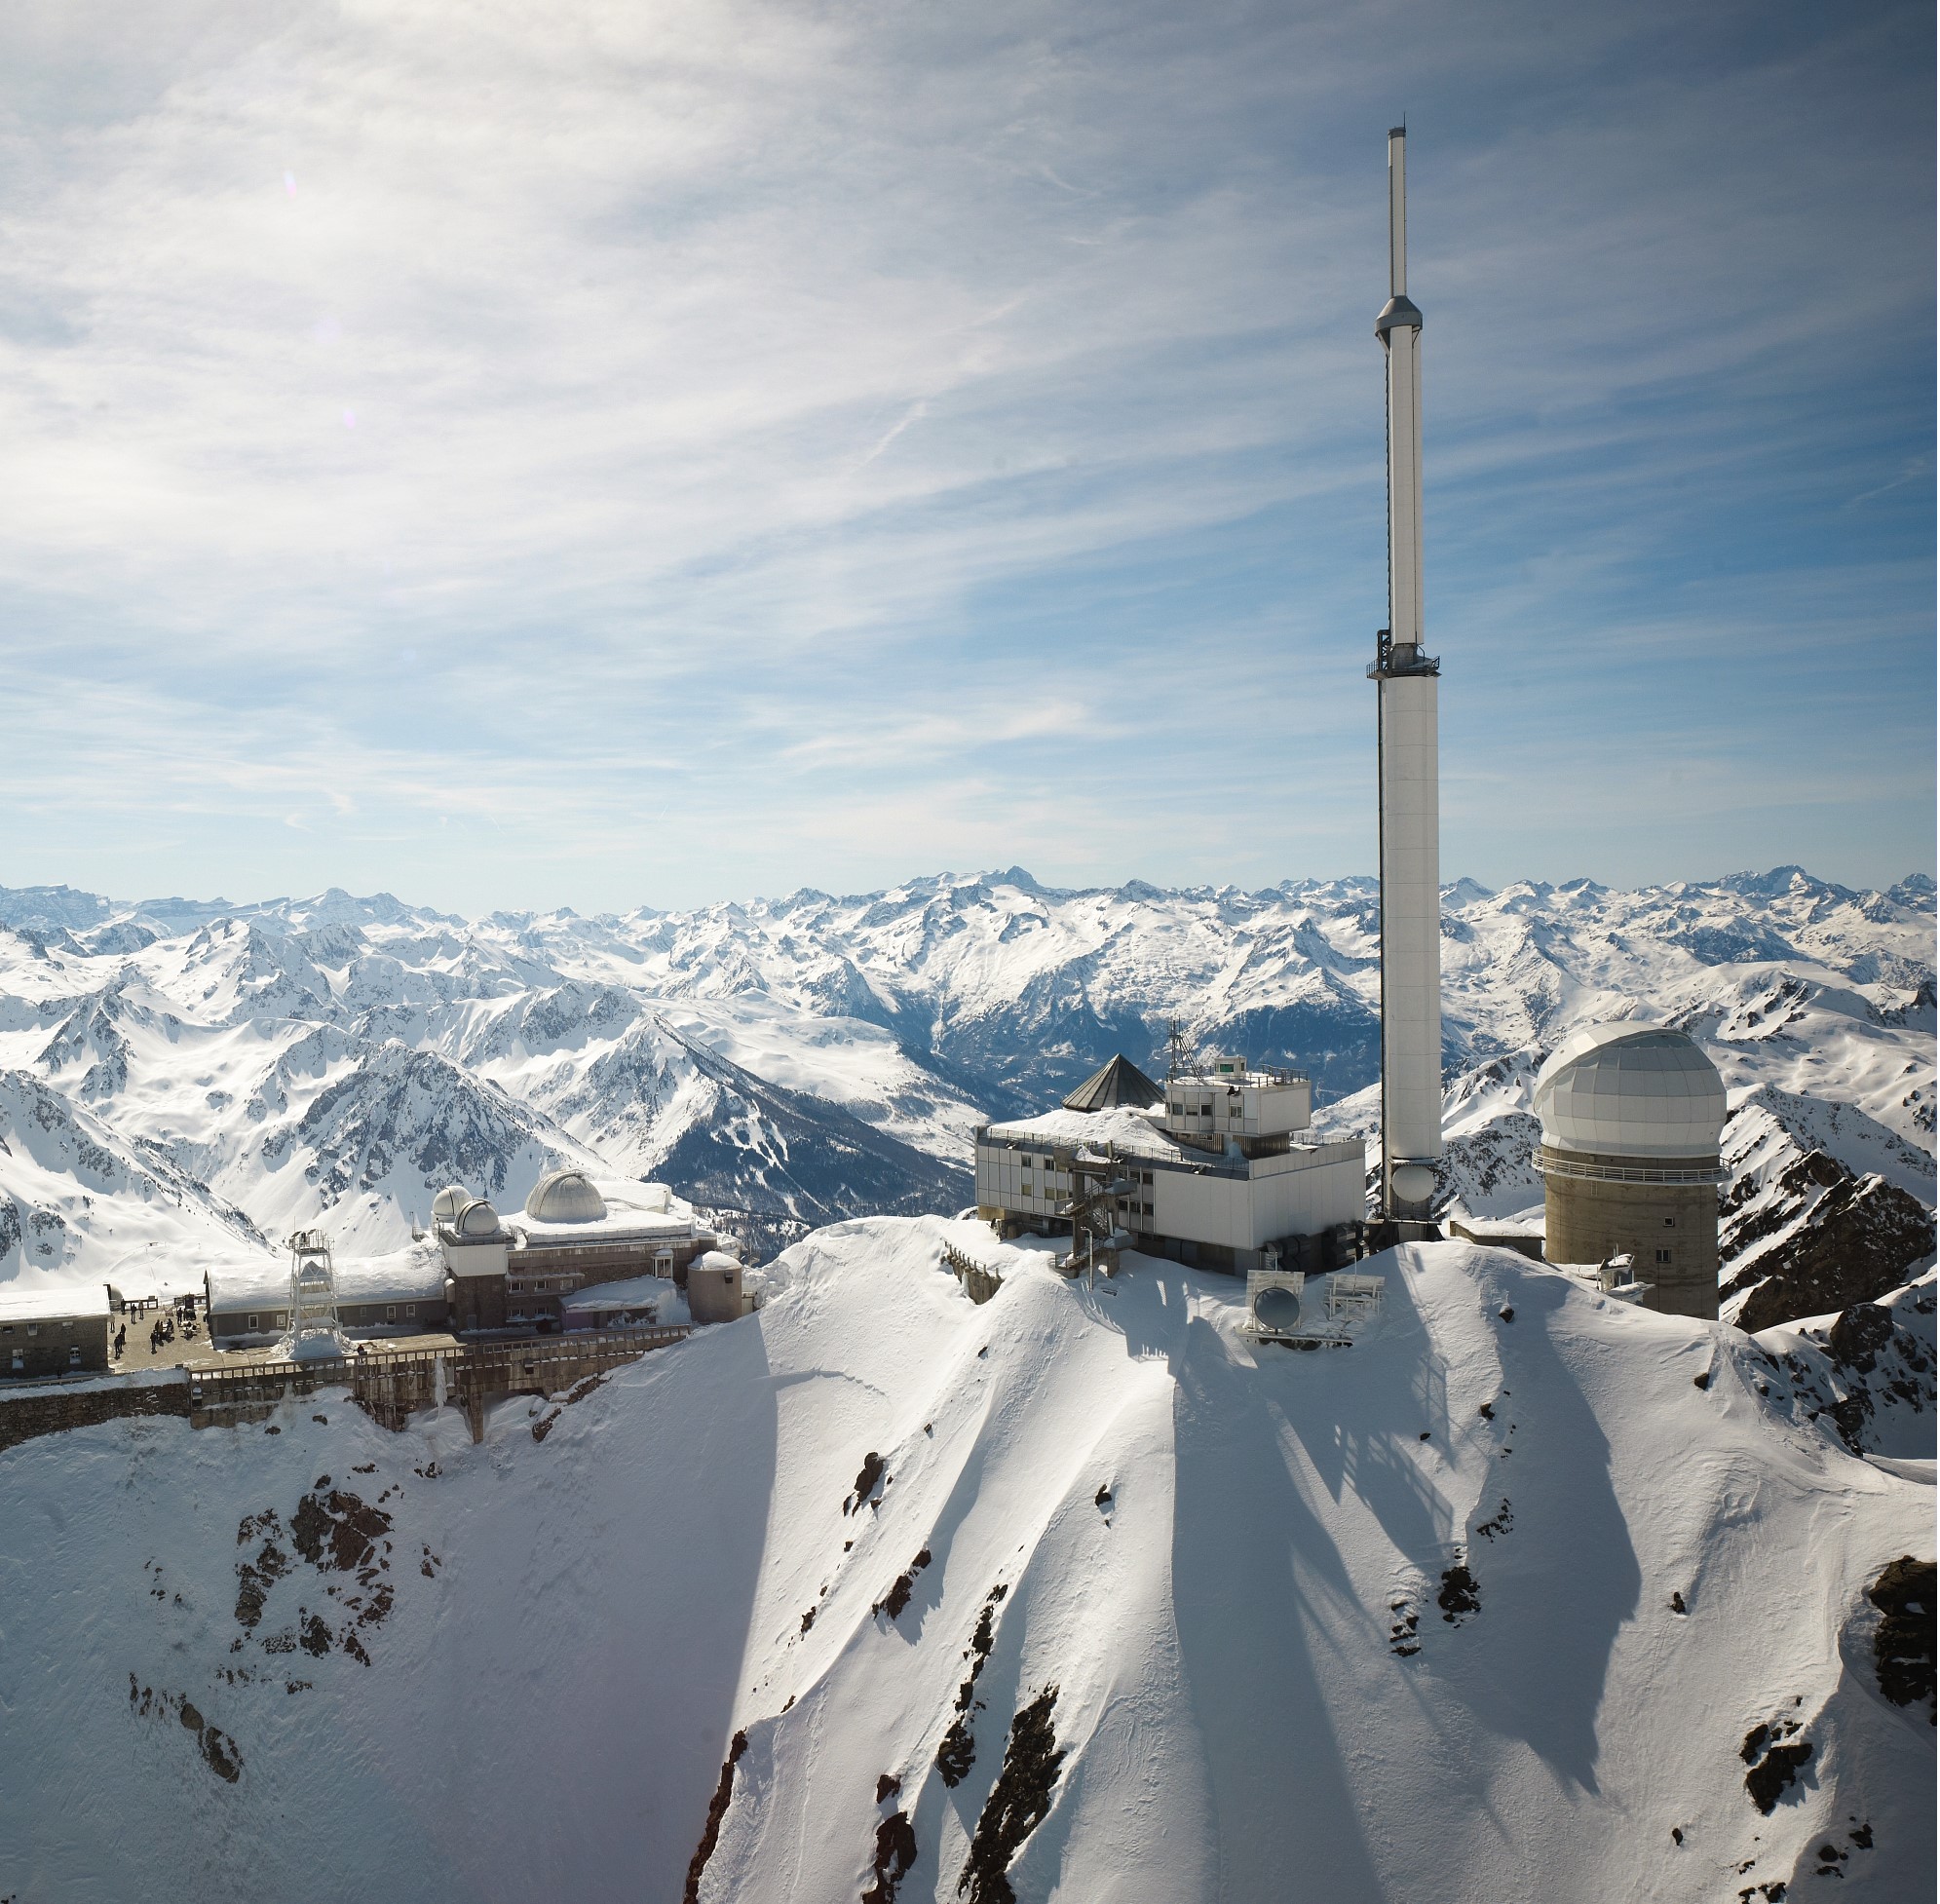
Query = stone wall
x=25 y=1414
x=1586 y=1221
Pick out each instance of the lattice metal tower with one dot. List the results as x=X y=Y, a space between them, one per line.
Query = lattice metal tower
x=315 y=1328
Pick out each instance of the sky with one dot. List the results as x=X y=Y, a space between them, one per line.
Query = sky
x=602 y=454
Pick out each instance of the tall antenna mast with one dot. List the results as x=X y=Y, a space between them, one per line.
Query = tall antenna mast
x=1408 y=718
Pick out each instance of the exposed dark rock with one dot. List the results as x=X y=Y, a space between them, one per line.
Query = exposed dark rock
x=1858 y=1243
x=957 y=1752
x=254 y=1579
x=897 y=1597
x=338 y=1531
x=1776 y=1760
x=1773 y=1774
x=1017 y=1804
x=896 y=1853
x=1903 y=1646
x=1460 y=1593
x=717 y=1811
x=865 y=1482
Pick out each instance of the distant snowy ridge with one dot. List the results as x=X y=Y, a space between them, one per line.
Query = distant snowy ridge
x=790 y=1062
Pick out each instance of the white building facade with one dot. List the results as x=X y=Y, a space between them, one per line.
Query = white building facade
x=1223 y=1172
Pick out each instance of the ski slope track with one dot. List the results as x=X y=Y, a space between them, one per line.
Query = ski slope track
x=1210 y=1621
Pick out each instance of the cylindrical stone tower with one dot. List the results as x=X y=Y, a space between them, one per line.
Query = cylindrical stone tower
x=1632 y=1116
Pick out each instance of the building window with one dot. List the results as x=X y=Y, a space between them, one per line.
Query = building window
x=1663 y=1256
x=253 y=1322
x=411 y=1309
x=1670 y=1222
x=390 y=1311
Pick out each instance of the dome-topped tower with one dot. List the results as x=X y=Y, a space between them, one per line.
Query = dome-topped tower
x=565 y=1197
x=1632 y=1117
x=1631 y=1090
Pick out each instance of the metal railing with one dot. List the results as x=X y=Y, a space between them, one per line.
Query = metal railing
x=1549 y=1165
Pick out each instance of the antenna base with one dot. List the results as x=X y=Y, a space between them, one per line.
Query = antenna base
x=1399 y=313
x=1392 y=659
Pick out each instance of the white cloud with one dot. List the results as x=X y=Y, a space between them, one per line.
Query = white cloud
x=637 y=416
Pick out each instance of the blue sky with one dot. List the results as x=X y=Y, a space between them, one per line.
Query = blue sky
x=601 y=454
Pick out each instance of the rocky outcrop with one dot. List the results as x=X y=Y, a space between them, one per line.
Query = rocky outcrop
x=1854 y=1242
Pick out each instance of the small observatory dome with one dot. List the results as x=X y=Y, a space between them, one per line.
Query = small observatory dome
x=565 y=1197
x=478 y=1219
x=1631 y=1090
x=448 y=1201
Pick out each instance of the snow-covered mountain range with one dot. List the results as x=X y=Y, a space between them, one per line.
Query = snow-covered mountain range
x=1529 y=1597
x=179 y=1077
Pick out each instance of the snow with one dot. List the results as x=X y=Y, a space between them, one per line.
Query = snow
x=1204 y=1546
x=413 y=1275
x=54 y=1305
x=1131 y=1131
x=639 y=1293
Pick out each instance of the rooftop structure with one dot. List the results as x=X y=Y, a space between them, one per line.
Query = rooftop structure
x=1119 y=1085
x=565 y=1197
x=1225 y=1101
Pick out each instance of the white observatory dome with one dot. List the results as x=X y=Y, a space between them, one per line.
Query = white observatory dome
x=478 y=1219
x=1631 y=1089
x=448 y=1201
x=565 y=1197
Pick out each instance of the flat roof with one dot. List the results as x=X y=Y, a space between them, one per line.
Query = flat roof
x=413 y=1275
x=1134 y=1134
x=635 y=1292
x=615 y=1227
x=1132 y=1131
x=55 y=1304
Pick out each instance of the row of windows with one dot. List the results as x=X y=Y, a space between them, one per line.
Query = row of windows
x=21 y=1360
x=354 y=1312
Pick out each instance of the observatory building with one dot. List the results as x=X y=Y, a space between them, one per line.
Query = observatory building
x=519 y=1270
x=1220 y=1167
x=1632 y=1116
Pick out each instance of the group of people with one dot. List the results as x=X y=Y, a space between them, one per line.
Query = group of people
x=166 y=1324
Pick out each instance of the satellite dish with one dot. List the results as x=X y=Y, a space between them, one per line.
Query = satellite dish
x=1277 y=1307
x=1414 y=1183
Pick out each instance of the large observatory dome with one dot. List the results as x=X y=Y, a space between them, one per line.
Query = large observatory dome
x=1631 y=1090
x=565 y=1197
x=448 y=1201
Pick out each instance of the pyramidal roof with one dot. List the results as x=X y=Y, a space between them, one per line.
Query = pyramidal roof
x=1121 y=1083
